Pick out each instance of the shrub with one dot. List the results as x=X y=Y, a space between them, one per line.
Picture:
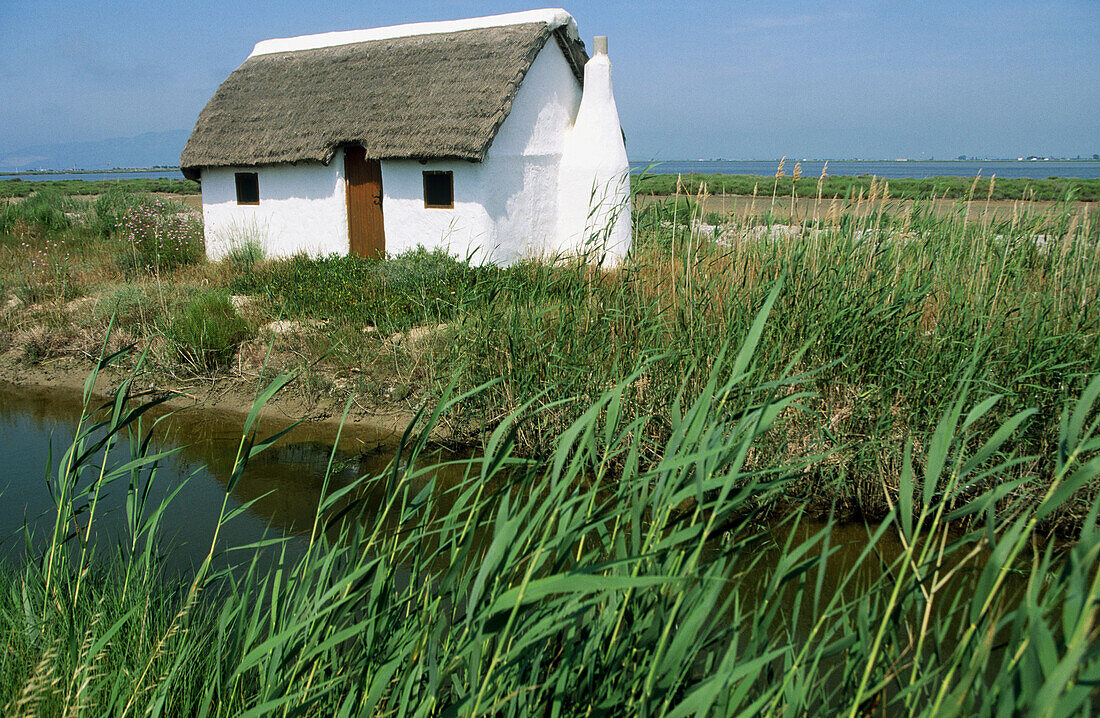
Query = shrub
x=245 y=245
x=245 y=256
x=427 y=281
x=127 y=304
x=112 y=206
x=315 y=287
x=160 y=236
x=207 y=330
x=395 y=293
x=43 y=274
x=41 y=213
x=39 y=343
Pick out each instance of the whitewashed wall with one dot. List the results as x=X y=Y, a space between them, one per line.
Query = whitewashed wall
x=505 y=207
x=594 y=182
x=302 y=209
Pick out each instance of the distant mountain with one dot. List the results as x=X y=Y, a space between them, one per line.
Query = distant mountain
x=150 y=149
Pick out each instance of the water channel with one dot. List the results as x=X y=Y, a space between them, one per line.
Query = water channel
x=284 y=486
x=285 y=482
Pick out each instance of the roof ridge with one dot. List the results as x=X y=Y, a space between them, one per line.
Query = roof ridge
x=555 y=18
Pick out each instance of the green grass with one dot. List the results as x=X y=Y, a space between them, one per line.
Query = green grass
x=124 y=251
x=418 y=286
x=43 y=214
x=1052 y=188
x=895 y=313
x=112 y=206
x=158 y=235
x=245 y=254
x=635 y=538
x=18 y=188
x=136 y=233
x=587 y=581
x=206 y=330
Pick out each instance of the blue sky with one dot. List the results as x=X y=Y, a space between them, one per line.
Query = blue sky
x=692 y=79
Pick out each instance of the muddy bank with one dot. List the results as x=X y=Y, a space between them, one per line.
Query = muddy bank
x=230 y=396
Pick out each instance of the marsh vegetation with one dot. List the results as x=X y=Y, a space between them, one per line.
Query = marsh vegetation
x=890 y=315
x=850 y=187
x=643 y=430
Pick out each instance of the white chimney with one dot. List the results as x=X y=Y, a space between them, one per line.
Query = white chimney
x=594 y=176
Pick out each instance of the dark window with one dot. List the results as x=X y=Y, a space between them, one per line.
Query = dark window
x=439 y=190
x=248 y=187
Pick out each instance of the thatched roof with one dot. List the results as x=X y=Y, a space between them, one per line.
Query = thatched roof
x=427 y=96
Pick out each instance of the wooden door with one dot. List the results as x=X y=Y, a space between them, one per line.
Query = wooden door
x=366 y=233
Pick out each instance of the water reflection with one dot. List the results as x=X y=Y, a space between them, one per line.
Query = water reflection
x=282 y=485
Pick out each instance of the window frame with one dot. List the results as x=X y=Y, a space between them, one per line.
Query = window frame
x=450 y=175
x=254 y=178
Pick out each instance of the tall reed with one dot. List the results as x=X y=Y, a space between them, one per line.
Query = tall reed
x=610 y=575
x=895 y=314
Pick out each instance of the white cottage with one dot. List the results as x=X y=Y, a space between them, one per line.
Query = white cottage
x=472 y=135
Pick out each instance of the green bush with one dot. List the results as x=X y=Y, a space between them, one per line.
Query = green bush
x=395 y=293
x=41 y=213
x=46 y=278
x=126 y=304
x=112 y=206
x=315 y=287
x=243 y=256
x=159 y=236
x=426 y=280
x=207 y=330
